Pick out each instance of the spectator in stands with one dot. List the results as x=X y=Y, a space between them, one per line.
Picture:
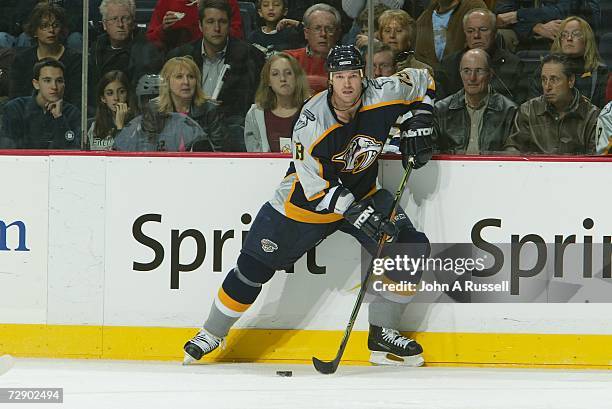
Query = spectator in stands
x=609 y=88
x=298 y=8
x=561 y=121
x=322 y=30
x=534 y=24
x=123 y=46
x=480 y=32
x=358 y=34
x=604 y=130
x=176 y=22
x=9 y=28
x=383 y=60
x=577 y=42
x=353 y=8
x=47 y=24
x=216 y=48
x=268 y=38
x=476 y=119
x=43 y=120
x=113 y=111
x=73 y=9
x=397 y=29
x=181 y=92
x=440 y=29
x=283 y=87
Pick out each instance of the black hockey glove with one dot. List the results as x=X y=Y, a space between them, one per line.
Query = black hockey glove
x=364 y=216
x=415 y=140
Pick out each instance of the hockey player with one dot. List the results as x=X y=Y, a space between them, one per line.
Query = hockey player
x=330 y=186
x=604 y=130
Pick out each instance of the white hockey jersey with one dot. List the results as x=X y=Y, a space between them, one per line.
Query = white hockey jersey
x=604 y=130
x=328 y=154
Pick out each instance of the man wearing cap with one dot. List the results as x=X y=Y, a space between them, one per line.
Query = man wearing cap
x=331 y=185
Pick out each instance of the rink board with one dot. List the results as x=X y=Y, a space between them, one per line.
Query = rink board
x=77 y=290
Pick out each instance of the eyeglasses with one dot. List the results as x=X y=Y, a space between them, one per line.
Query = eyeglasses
x=468 y=72
x=577 y=34
x=116 y=20
x=320 y=29
x=46 y=26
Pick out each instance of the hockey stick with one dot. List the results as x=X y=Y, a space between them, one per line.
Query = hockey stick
x=329 y=367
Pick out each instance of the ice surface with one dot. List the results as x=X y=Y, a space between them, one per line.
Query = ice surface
x=90 y=384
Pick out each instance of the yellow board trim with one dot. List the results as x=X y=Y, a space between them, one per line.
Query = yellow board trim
x=260 y=345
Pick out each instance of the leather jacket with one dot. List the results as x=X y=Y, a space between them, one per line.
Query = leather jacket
x=538 y=128
x=452 y=123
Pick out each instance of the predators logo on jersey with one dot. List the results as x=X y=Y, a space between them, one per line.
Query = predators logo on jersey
x=360 y=153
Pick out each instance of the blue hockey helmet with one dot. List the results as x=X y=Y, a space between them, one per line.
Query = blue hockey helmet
x=344 y=58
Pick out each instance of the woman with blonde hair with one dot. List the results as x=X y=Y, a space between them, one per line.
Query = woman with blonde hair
x=577 y=41
x=182 y=100
x=181 y=91
x=397 y=29
x=283 y=87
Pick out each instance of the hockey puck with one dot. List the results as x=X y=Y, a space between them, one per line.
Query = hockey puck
x=284 y=373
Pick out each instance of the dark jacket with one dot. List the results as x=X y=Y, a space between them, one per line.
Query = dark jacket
x=452 y=123
x=238 y=91
x=21 y=74
x=538 y=129
x=506 y=80
x=26 y=126
x=206 y=115
x=137 y=58
x=455 y=37
x=590 y=84
x=528 y=15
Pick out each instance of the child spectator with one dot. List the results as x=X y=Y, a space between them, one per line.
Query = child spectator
x=267 y=37
x=112 y=113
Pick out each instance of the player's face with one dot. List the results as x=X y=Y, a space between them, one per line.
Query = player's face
x=272 y=10
x=475 y=74
x=396 y=36
x=118 y=23
x=572 y=39
x=114 y=93
x=347 y=87
x=383 y=65
x=322 y=32
x=282 y=78
x=48 y=30
x=215 y=28
x=556 y=85
x=182 y=83
x=478 y=31
x=50 y=84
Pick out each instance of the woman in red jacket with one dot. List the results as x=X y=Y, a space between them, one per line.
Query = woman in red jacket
x=176 y=22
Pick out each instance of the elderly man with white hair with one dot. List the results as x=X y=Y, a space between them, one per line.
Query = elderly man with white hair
x=123 y=46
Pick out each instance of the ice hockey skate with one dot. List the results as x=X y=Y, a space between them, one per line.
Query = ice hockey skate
x=202 y=344
x=389 y=347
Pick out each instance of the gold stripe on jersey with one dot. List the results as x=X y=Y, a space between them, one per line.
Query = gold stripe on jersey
x=306 y=216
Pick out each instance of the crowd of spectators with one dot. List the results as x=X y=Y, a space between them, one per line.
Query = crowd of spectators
x=514 y=76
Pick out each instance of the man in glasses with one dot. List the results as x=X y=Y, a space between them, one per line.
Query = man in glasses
x=123 y=46
x=561 y=121
x=322 y=30
x=476 y=119
x=480 y=32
